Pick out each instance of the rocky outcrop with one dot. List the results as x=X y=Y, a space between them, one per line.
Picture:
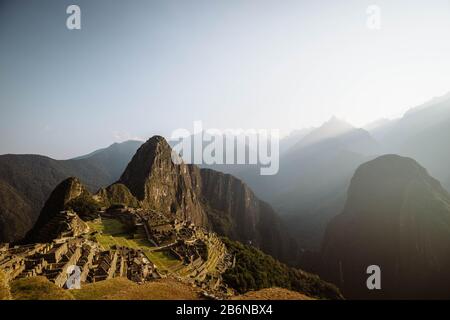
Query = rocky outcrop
x=54 y=219
x=398 y=218
x=117 y=194
x=161 y=185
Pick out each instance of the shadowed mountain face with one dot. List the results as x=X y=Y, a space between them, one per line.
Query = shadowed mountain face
x=234 y=211
x=28 y=180
x=397 y=217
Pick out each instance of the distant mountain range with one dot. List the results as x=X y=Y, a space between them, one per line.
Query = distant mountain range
x=314 y=174
x=315 y=171
x=422 y=133
x=26 y=182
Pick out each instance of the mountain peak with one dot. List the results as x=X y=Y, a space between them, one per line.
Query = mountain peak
x=332 y=128
x=397 y=217
x=161 y=185
x=140 y=167
x=387 y=178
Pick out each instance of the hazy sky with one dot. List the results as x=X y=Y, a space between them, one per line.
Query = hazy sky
x=137 y=68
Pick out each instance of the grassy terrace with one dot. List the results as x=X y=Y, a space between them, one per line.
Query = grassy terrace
x=112 y=232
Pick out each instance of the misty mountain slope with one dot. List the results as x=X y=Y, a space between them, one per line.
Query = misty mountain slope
x=431 y=147
x=423 y=134
x=393 y=134
x=332 y=128
x=33 y=177
x=293 y=138
x=314 y=175
x=397 y=217
x=308 y=157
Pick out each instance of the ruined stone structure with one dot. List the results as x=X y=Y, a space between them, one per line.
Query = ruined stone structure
x=202 y=255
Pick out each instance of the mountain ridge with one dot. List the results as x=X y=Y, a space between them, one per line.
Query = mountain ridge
x=33 y=178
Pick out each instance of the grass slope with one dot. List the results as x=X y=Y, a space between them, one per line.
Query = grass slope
x=38 y=288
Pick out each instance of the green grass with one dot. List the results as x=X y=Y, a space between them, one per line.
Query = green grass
x=38 y=288
x=162 y=260
x=102 y=289
x=108 y=226
x=112 y=232
x=124 y=289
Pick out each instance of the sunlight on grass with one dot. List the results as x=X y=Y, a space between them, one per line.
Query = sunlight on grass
x=112 y=232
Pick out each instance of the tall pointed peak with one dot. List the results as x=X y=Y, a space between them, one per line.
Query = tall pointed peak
x=138 y=171
x=154 y=145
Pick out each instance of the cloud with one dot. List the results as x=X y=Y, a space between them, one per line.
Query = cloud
x=121 y=136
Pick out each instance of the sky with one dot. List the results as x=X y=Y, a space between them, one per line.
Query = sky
x=140 y=67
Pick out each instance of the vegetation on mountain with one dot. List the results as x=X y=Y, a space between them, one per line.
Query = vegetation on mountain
x=83 y=205
x=254 y=270
x=117 y=194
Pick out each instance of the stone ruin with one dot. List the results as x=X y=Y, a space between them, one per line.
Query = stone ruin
x=53 y=260
x=203 y=256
